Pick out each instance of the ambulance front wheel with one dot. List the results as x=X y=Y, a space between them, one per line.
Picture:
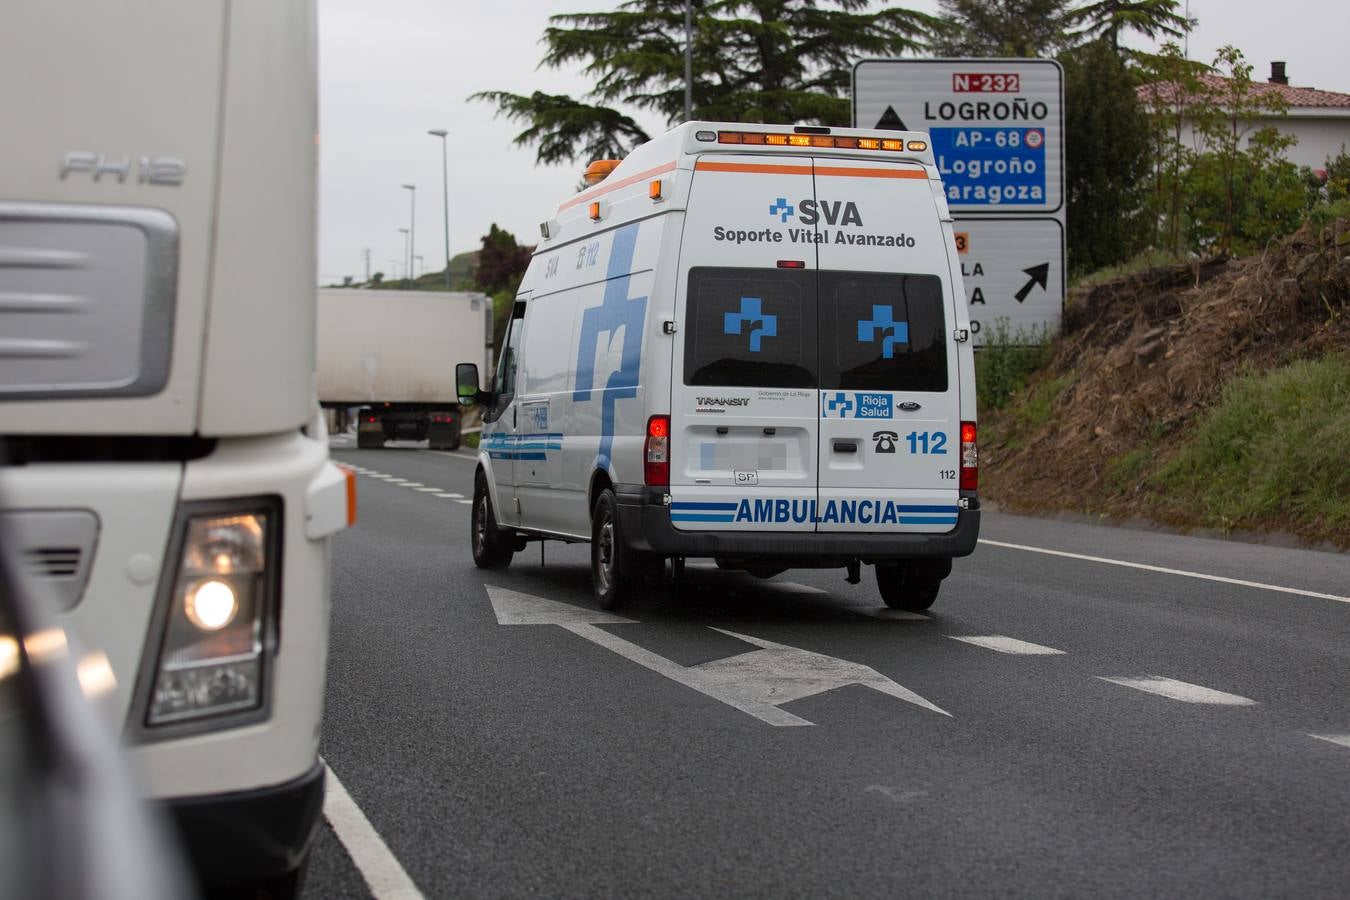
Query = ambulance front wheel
x=903 y=588
x=613 y=562
x=491 y=548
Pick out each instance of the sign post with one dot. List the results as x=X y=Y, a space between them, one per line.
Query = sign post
x=997 y=131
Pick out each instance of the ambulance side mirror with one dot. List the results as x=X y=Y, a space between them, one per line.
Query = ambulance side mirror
x=466 y=384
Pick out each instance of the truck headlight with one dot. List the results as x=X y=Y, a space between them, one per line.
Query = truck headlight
x=218 y=629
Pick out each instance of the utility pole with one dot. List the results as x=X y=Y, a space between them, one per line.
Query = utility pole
x=421 y=266
x=412 y=225
x=366 y=254
x=445 y=193
x=407 y=257
x=688 y=60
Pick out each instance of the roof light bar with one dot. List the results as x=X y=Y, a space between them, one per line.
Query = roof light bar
x=838 y=142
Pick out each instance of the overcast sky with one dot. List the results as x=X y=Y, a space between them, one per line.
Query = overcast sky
x=391 y=69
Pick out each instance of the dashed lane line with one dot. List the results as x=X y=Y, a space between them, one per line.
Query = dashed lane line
x=450 y=496
x=1180 y=690
x=413 y=484
x=1166 y=571
x=461 y=500
x=1342 y=740
x=378 y=866
x=1009 y=645
x=424 y=490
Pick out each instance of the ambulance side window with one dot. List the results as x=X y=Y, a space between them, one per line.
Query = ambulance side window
x=882 y=332
x=750 y=328
x=504 y=381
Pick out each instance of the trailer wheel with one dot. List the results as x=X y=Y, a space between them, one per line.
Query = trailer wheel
x=491 y=547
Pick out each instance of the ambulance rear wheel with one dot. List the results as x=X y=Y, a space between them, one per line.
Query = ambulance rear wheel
x=613 y=563
x=491 y=548
x=902 y=589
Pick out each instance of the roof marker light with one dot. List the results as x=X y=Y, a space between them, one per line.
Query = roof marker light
x=654 y=189
x=917 y=146
x=595 y=210
x=706 y=135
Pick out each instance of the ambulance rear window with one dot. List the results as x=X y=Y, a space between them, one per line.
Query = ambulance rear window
x=882 y=332
x=750 y=328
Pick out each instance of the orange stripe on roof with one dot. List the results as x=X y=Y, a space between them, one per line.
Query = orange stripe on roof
x=606 y=188
x=707 y=165
x=858 y=172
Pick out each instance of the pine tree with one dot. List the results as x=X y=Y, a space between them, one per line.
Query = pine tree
x=1027 y=28
x=783 y=61
x=1108 y=18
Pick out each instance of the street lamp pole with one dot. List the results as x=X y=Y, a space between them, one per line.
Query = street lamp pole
x=445 y=192
x=407 y=257
x=412 y=224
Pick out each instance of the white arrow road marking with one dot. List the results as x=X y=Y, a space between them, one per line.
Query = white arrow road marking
x=757 y=683
x=1180 y=690
x=377 y=865
x=1341 y=739
x=1007 y=645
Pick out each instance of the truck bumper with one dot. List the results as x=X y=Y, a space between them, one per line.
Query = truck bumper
x=250 y=836
x=644 y=520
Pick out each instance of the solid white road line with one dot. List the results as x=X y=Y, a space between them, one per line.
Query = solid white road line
x=1166 y=571
x=1007 y=645
x=1180 y=690
x=1340 y=739
x=381 y=870
x=454 y=454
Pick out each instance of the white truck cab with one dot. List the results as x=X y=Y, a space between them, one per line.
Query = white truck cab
x=163 y=465
x=747 y=343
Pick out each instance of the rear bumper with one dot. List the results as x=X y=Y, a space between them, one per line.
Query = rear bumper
x=644 y=520
x=250 y=836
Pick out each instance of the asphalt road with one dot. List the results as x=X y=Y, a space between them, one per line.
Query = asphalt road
x=1167 y=749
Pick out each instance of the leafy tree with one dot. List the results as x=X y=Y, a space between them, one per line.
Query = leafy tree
x=1002 y=27
x=1108 y=18
x=782 y=61
x=1174 y=91
x=501 y=262
x=1107 y=158
x=1243 y=174
x=377 y=279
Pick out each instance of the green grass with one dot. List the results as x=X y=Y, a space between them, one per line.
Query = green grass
x=1272 y=452
x=1004 y=362
x=1149 y=259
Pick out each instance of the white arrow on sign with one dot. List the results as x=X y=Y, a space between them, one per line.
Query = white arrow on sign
x=757 y=683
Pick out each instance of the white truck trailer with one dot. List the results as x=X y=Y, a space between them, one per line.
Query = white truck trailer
x=391 y=355
x=165 y=465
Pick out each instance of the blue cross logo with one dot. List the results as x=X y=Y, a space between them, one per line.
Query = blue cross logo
x=782 y=209
x=761 y=324
x=839 y=403
x=883 y=323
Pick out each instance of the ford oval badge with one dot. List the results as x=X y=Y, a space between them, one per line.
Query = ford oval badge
x=909 y=406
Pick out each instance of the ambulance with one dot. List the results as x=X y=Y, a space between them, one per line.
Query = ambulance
x=746 y=343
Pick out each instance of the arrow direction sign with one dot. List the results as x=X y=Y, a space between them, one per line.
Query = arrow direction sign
x=1039 y=275
x=757 y=683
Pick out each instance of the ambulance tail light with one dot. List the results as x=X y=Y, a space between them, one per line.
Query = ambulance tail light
x=656 y=452
x=970 y=458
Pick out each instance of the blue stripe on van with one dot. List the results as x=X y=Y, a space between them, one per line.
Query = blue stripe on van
x=684 y=504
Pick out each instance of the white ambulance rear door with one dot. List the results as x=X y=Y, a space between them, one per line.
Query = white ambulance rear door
x=889 y=400
x=744 y=402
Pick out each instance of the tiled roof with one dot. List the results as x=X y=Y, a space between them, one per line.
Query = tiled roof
x=1295 y=97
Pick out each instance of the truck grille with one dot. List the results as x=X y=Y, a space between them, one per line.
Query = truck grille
x=55 y=551
x=86 y=300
